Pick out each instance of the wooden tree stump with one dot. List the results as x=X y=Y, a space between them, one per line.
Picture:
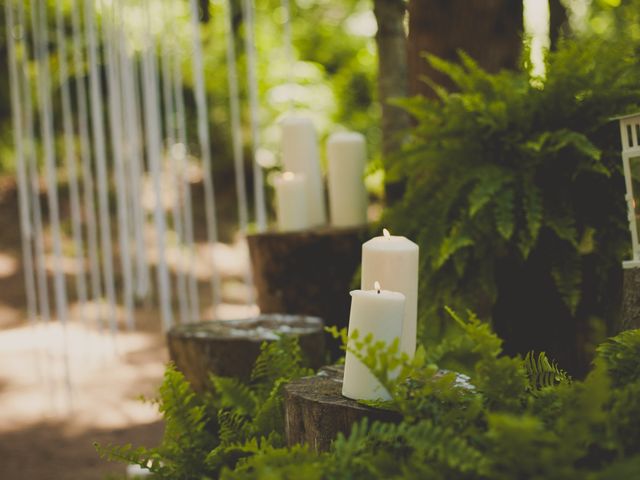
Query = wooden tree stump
x=229 y=348
x=630 y=315
x=308 y=272
x=316 y=411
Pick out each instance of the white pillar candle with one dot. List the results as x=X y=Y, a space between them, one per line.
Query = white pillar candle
x=300 y=155
x=379 y=313
x=393 y=261
x=291 y=202
x=347 y=157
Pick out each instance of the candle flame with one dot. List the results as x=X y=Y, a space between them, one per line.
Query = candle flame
x=376 y=285
x=288 y=175
x=386 y=233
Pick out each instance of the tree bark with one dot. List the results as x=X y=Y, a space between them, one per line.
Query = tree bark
x=490 y=31
x=230 y=348
x=307 y=273
x=392 y=83
x=630 y=315
x=316 y=411
x=205 y=14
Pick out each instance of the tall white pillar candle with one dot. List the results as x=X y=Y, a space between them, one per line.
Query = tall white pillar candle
x=379 y=313
x=393 y=261
x=300 y=155
x=347 y=157
x=291 y=202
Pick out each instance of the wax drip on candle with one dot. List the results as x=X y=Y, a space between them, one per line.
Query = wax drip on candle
x=376 y=285
x=386 y=233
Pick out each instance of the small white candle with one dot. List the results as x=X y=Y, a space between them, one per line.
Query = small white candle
x=393 y=261
x=347 y=157
x=300 y=155
x=379 y=313
x=291 y=202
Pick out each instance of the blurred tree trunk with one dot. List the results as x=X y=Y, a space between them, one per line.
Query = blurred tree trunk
x=392 y=81
x=205 y=14
x=558 y=22
x=490 y=31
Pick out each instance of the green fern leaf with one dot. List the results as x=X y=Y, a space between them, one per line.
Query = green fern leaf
x=503 y=210
x=533 y=208
x=234 y=394
x=567 y=276
x=452 y=244
x=543 y=373
x=563 y=225
x=490 y=180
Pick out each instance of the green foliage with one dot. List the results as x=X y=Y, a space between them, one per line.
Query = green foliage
x=542 y=372
x=621 y=355
x=205 y=433
x=510 y=418
x=509 y=170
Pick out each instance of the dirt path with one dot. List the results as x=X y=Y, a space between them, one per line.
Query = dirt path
x=44 y=432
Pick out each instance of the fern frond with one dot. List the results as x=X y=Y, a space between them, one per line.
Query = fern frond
x=490 y=181
x=456 y=241
x=504 y=212
x=567 y=276
x=232 y=393
x=542 y=372
x=622 y=356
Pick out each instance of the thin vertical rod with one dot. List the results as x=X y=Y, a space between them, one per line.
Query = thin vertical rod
x=205 y=147
x=41 y=40
x=236 y=137
x=135 y=164
x=23 y=186
x=236 y=127
x=97 y=124
x=115 y=125
x=186 y=188
x=32 y=173
x=70 y=159
x=154 y=147
x=85 y=156
x=258 y=180
x=170 y=134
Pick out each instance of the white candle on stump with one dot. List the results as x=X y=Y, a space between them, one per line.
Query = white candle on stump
x=347 y=158
x=300 y=155
x=291 y=202
x=379 y=313
x=393 y=260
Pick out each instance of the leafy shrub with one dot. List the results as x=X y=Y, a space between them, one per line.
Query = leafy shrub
x=510 y=418
x=515 y=196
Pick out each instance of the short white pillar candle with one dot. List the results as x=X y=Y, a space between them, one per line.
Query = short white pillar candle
x=291 y=202
x=300 y=155
x=393 y=261
x=347 y=158
x=379 y=313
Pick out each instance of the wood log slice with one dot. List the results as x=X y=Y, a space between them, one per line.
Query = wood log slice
x=229 y=348
x=316 y=411
x=307 y=273
x=630 y=315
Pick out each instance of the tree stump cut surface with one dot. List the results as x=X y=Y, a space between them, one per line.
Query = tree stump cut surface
x=630 y=314
x=316 y=411
x=308 y=272
x=229 y=348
